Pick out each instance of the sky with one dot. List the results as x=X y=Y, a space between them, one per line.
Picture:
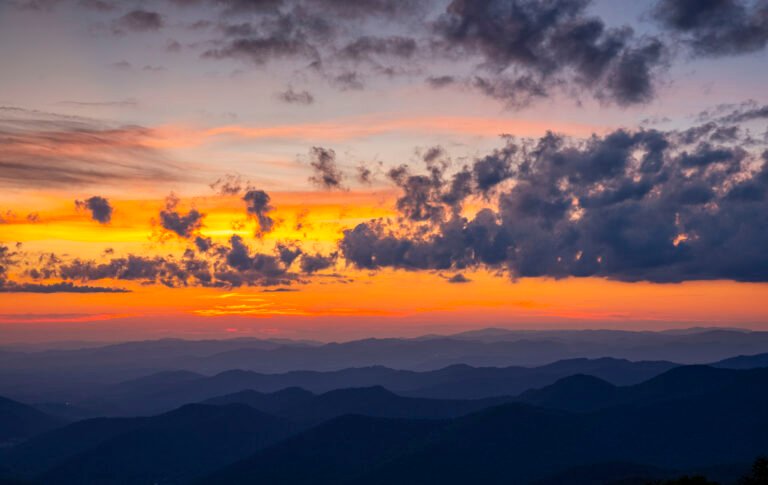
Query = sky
x=339 y=169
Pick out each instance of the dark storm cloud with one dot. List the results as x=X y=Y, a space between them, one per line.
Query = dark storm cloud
x=327 y=174
x=629 y=205
x=101 y=210
x=138 y=21
x=296 y=97
x=258 y=206
x=44 y=150
x=716 y=27
x=183 y=225
x=531 y=46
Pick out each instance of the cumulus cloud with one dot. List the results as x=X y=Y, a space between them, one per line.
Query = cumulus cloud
x=629 y=205
x=327 y=174
x=183 y=225
x=99 y=207
x=528 y=47
x=258 y=206
x=312 y=263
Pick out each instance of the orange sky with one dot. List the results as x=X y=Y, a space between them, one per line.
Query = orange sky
x=326 y=306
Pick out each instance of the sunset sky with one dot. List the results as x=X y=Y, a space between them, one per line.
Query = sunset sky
x=337 y=169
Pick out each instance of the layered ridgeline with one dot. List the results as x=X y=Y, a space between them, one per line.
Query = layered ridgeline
x=74 y=372
x=687 y=419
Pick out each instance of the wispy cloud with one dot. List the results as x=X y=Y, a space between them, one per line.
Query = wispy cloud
x=44 y=150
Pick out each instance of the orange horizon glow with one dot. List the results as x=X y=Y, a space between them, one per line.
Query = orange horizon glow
x=381 y=303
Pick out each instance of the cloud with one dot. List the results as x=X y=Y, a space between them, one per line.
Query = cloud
x=529 y=47
x=628 y=205
x=65 y=287
x=138 y=21
x=10 y=258
x=101 y=210
x=312 y=263
x=349 y=81
x=230 y=184
x=225 y=266
x=441 y=81
x=44 y=150
x=327 y=174
x=459 y=278
x=365 y=47
x=258 y=206
x=183 y=225
x=364 y=175
x=523 y=49
x=287 y=36
x=296 y=97
x=750 y=112
x=716 y=27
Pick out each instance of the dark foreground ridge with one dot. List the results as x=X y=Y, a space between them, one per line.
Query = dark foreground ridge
x=690 y=419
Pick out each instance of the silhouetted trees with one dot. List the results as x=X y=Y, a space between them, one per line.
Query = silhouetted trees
x=759 y=474
x=686 y=480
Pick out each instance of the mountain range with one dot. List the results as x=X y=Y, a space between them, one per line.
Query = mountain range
x=686 y=418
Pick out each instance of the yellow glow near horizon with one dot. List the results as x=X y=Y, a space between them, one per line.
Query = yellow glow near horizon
x=379 y=302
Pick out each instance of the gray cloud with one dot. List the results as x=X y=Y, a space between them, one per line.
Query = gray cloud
x=546 y=43
x=296 y=97
x=327 y=174
x=258 y=206
x=183 y=225
x=630 y=206
x=363 y=48
x=65 y=287
x=101 y=210
x=312 y=263
x=459 y=278
x=10 y=258
x=716 y=27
